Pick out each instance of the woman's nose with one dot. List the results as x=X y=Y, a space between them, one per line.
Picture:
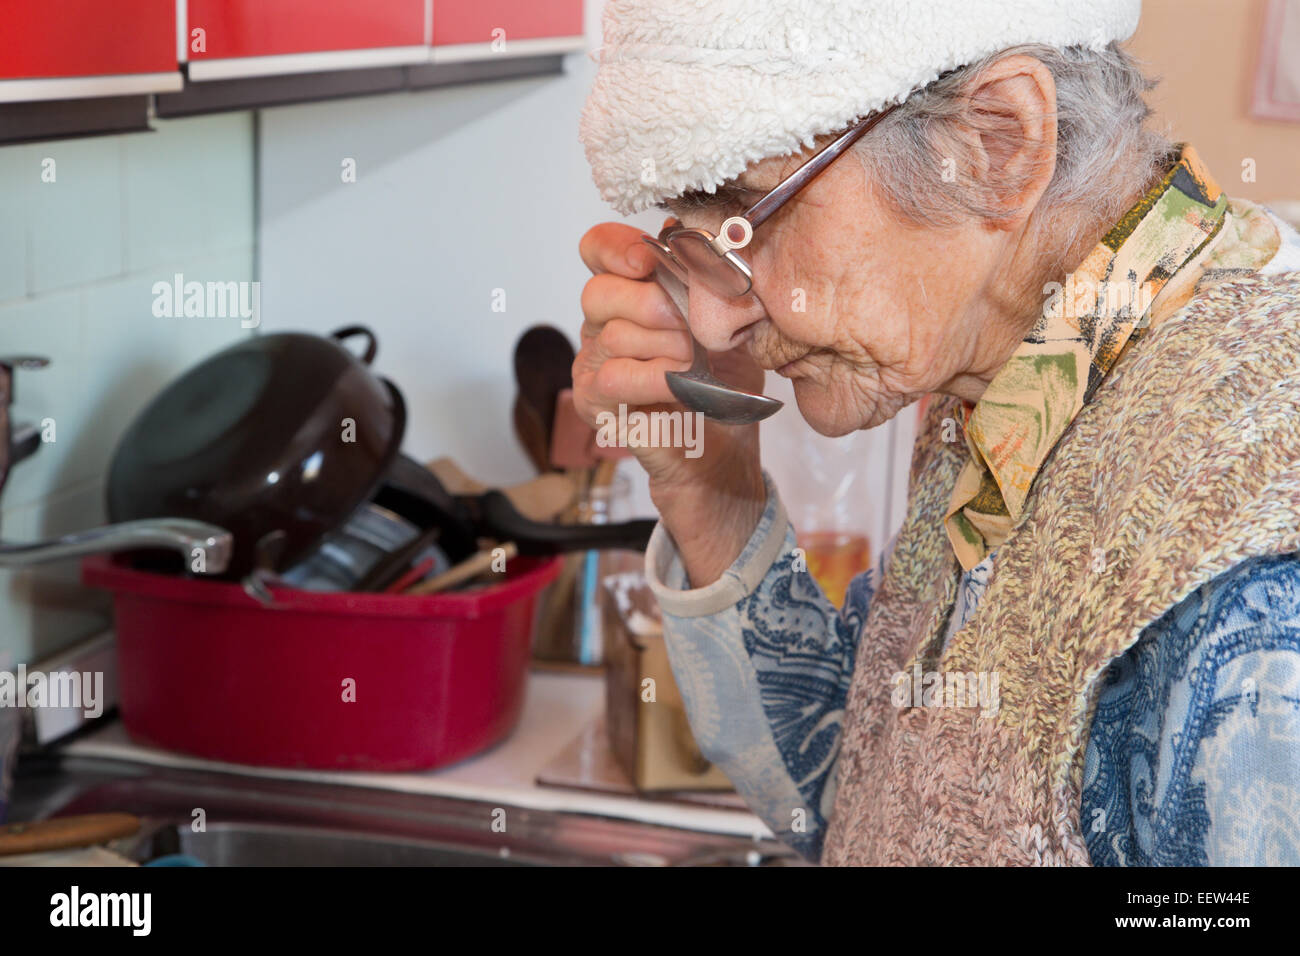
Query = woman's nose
x=721 y=323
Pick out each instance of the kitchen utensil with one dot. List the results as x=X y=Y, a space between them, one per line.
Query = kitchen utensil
x=587 y=611
x=543 y=366
x=346 y=558
x=467 y=570
x=700 y=391
x=334 y=681
x=499 y=516
x=573 y=441
x=421 y=549
x=203 y=548
x=62 y=833
x=697 y=388
x=543 y=498
x=283 y=432
x=557 y=617
x=14 y=449
x=200 y=547
x=411 y=490
x=557 y=625
x=531 y=432
x=417 y=572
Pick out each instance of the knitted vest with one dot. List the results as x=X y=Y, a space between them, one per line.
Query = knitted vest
x=1186 y=462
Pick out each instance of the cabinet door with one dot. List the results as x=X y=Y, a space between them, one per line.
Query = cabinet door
x=477 y=29
x=235 y=38
x=69 y=49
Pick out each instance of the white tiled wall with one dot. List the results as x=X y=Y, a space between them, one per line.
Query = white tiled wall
x=78 y=259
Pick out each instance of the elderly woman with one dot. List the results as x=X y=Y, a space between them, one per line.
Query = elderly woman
x=1083 y=644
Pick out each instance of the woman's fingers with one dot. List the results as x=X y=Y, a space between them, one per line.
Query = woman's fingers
x=632 y=332
x=607 y=296
x=629 y=381
x=625 y=365
x=617 y=248
x=623 y=338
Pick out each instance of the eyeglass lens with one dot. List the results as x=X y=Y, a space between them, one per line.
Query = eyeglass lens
x=706 y=266
x=691 y=256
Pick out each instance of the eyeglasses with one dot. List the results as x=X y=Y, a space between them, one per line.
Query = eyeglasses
x=711 y=259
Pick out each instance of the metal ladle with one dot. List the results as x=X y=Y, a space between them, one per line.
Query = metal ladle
x=697 y=388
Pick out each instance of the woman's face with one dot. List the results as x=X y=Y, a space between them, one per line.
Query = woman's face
x=863 y=311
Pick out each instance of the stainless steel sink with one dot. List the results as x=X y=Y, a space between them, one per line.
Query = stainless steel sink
x=263 y=844
x=233 y=820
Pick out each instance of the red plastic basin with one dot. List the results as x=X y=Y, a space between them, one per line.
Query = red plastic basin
x=205 y=669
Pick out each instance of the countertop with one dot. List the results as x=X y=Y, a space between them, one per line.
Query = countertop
x=558 y=708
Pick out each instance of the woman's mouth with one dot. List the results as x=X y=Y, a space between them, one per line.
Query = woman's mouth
x=783 y=364
x=790 y=369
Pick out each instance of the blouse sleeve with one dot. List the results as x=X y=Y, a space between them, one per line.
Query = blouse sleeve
x=763 y=661
x=1194 y=755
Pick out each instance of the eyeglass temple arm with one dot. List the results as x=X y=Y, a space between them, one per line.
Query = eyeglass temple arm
x=758 y=213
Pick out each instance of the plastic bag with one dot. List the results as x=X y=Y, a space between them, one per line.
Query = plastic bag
x=835 y=490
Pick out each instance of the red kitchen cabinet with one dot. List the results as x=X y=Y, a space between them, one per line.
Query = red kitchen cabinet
x=478 y=29
x=238 y=38
x=69 y=49
x=127 y=49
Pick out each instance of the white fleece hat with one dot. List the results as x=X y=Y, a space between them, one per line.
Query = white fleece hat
x=688 y=93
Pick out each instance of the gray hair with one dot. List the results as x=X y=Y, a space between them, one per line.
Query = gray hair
x=1104 y=149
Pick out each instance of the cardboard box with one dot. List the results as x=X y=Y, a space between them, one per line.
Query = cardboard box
x=644 y=713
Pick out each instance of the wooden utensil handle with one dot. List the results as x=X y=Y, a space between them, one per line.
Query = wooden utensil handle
x=64 y=833
x=471 y=567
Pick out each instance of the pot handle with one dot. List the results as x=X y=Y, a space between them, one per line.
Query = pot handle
x=174 y=534
x=500 y=519
x=347 y=332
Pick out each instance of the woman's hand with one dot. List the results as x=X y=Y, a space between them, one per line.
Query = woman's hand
x=632 y=334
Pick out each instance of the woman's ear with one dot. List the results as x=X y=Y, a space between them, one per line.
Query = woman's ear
x=1011 y=115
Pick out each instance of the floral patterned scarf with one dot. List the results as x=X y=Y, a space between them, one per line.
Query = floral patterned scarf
x=1143 y=270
